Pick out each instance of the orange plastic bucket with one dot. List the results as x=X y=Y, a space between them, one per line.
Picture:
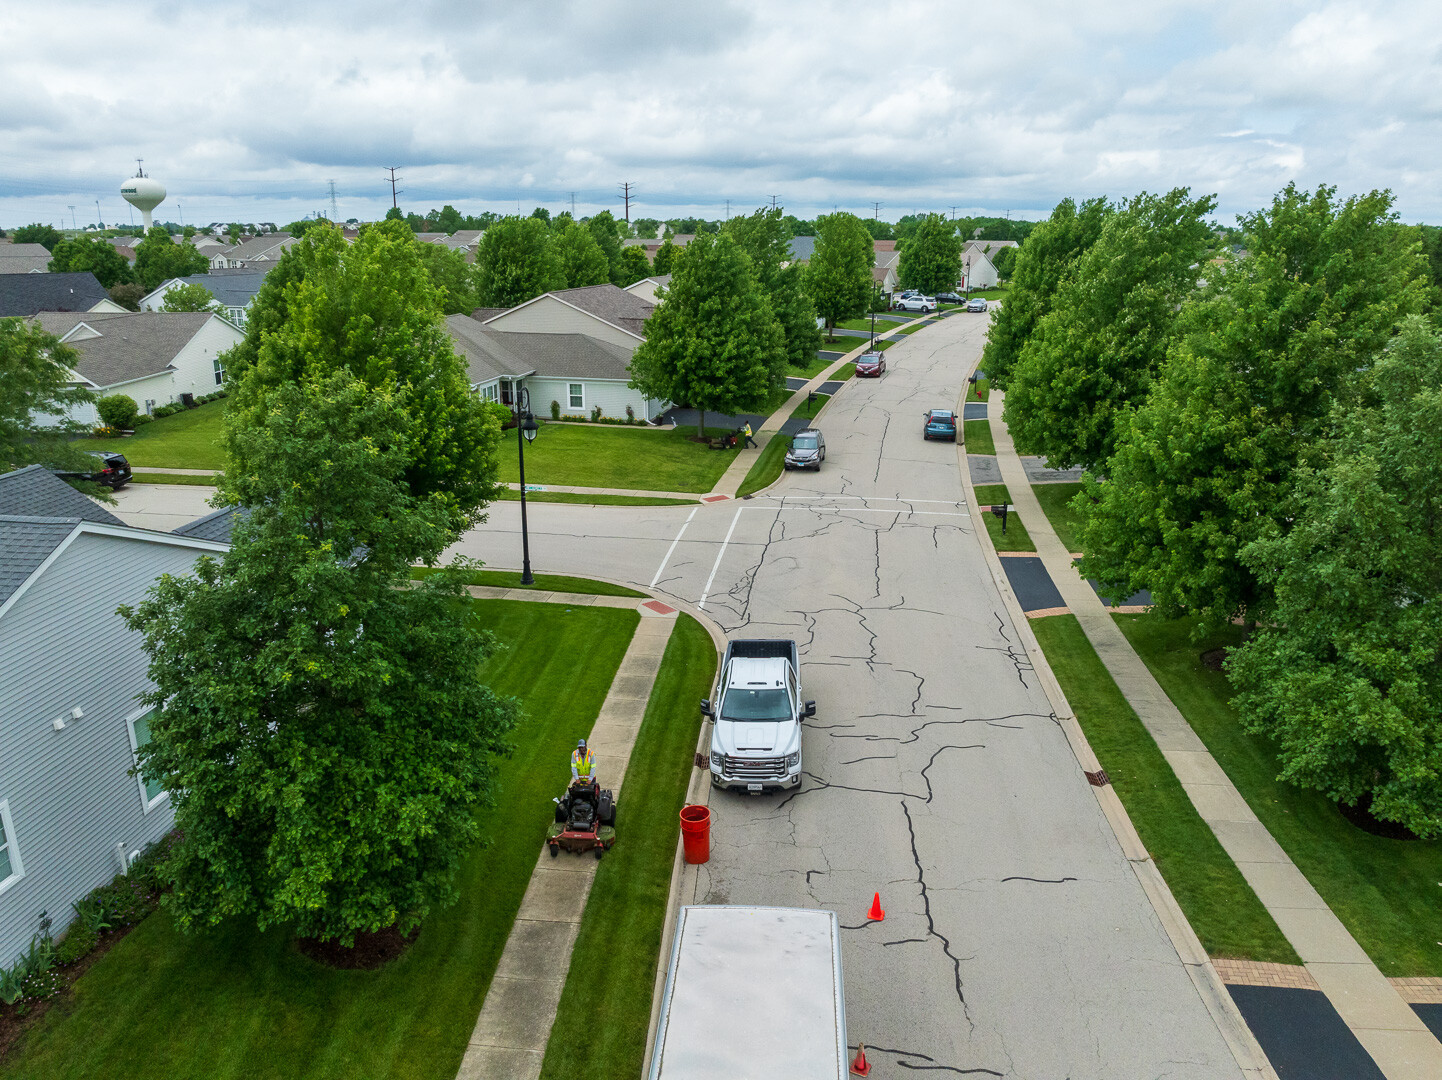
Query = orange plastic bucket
x=696 y=833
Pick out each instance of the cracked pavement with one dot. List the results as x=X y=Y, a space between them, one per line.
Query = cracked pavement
x=1017 y=940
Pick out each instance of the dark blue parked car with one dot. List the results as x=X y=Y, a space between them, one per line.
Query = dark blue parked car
x=940 y=424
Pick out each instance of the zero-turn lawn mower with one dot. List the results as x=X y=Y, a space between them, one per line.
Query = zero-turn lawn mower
x=585 y=820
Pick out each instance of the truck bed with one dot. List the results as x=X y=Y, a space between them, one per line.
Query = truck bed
x=763 y=649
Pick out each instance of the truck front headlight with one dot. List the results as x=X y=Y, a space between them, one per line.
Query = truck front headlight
x=718 y=760
x=793 y=760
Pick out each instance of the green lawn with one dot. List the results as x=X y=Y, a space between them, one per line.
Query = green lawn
x=810 y=371
x=983 y=385
x=883 y=325
x=187 y=440
x=1387 y=892
x=240 y=1004
x=1217 y=901
x=988 y=494
x=1054 y=499
x=585 y=455
x=583 y=499
x=977 y=434
x=807 y=410
x=511 y=579
x=139 y=477
x=848 y=369
x=1015 y=538
x=606 y=1005
x=767 y=468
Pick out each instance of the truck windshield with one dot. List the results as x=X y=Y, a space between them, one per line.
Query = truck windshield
x=746 y=704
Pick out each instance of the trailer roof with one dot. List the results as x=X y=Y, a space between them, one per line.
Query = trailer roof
x=753 y=992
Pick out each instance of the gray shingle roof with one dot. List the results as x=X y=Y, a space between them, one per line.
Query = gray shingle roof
x=233 y=287
x=35 y=491
x=215 y=526
x=802 y=248
x=25 y=543
x=491 y=354
x=266 y=248
x=131 y=345
x=24 y=264
x=30 y=294
x=488 y=353
x=611 y=303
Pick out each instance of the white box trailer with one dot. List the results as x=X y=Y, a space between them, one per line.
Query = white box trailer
x=753 y=992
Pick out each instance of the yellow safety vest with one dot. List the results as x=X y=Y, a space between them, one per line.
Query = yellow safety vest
x=582 y=765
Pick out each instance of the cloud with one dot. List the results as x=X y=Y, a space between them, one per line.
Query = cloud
x=249 y=108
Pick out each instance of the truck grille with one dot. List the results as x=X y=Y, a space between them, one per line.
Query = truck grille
x=770 y=768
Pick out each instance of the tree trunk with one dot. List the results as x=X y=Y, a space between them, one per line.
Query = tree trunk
x=701 y=426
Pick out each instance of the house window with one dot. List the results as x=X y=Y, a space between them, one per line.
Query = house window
x=491 y=392
x=151 y=790
x=10 y=869
x=219 y=371
x=578 y=396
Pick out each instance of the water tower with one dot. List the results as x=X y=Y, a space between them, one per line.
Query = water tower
x=143 y=193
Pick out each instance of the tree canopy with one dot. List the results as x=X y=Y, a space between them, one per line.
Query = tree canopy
x=368 y=308
x=931 y=258
x=304 y=678
x=715 y=344
x=517 y=261
x=45 y=235
x=189 y=298
x=1090 y=360
x=1208 y=463
x=158 y=258
x=604 y=228
x=634 y=265
x=1041 y=265
x=455 y=277
x=766 y=239
x=94 y=254
x=582 y=260
x=1345 y=677
x=665 y=258
x=36 y=388
x=838 y=277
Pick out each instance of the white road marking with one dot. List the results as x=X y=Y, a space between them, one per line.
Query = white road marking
x=672 y=548
x=707 y=591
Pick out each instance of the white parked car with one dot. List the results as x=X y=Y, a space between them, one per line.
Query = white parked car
x=924 y=304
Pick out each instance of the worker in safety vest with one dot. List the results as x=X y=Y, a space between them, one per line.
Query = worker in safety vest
x=583 y=764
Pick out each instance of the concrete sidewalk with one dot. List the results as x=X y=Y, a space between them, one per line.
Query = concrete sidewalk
x=509 y=1039
x=1385 y=1025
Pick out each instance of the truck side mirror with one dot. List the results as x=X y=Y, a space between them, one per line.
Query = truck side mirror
x=706 y=709
x=810 y=709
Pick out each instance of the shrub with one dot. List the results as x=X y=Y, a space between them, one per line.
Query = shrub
x=76 y=944
x=555 y=410
x=43 y=984
x=142 y=419
x=117 y=410
x=147 y=868
x=596 y=414
x=630 y=415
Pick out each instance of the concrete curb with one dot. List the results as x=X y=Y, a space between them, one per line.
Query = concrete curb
x=1245 y=1049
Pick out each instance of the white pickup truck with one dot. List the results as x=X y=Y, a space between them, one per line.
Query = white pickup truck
x=753 y=992
x=757 y=714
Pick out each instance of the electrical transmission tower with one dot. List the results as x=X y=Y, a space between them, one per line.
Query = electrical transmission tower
x=728 y=209
x=875 y=210
x=573 y=204
x=393 y=178
x=626 y=194
x=773 y=201
x=334 y=212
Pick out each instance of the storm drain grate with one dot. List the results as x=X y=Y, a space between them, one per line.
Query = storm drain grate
x=1098 y=778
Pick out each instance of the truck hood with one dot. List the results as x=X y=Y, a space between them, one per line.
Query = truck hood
x=756 y=738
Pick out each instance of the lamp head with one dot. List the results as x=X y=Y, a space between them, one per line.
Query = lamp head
x=529 y=427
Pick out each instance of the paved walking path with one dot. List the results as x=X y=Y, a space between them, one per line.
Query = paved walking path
x=509 y=1040
x=1386 y=1026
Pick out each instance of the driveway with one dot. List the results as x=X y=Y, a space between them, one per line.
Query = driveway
x=1017 y=940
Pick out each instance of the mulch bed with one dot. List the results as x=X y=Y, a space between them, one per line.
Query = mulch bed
x=1360 y=815
x=1214 y=659
x=372 y=950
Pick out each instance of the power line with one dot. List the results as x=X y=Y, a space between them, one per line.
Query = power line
x=626 y=194
x=393 y=178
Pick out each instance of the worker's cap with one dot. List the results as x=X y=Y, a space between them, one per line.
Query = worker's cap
x=581 y=745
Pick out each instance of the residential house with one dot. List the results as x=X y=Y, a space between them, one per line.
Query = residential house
x=802 y=248
x=24 y=259
x=235 y=290
x=73 y=810
x=977 y=271
x=154 y=357
x=30 y=294
x=884 y=278
x=258 y=251
x=573 y=347
x=680 y=240
x=646 y=287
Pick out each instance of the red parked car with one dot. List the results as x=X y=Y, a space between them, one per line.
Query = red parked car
x=870 y=365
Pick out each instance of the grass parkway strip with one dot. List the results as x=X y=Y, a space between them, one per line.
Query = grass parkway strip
x=237 y=1003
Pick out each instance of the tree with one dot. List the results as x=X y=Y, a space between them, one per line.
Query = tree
x=646 y=228
x=839 y=274
x=1042 y=263
x=665 y=258
x=1091 y=359
x=931 y=260
x=93 y=254
x=455 y=277
x=715 y=344
x=582 y=260
x=368 y=308
x=189 y=298
x=233 y=232
x=1209 y=463
x=45 y=235
x=158 y=258
x=1346 y=678
x=766 y=239
x=36 y=384
x=449 y=219
x=128 y=294
x=603 y=228
x=517 y=261
x=304 y=677
x=1005 y=262
x=634 y=264
x=394 y=214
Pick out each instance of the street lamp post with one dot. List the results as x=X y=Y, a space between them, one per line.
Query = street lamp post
x=525 y=426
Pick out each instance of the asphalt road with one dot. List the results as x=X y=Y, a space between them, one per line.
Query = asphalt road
x=1017 y=941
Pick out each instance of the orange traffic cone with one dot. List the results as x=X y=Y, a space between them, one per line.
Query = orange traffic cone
x=876 y=914
x=861 y=1067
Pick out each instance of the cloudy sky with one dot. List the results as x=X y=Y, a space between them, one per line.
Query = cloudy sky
x=248 y=108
